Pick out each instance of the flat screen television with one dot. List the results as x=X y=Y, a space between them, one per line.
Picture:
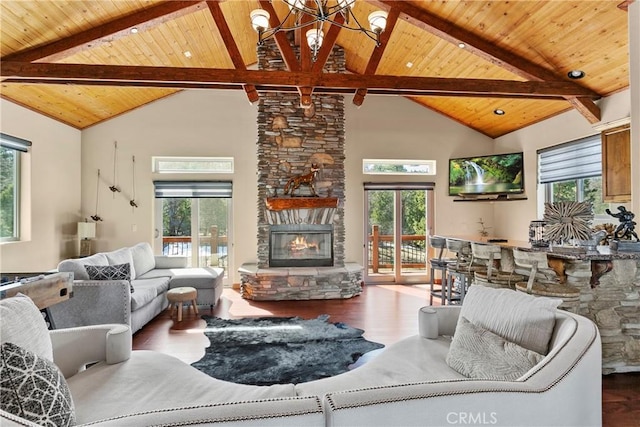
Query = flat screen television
x=494 y=174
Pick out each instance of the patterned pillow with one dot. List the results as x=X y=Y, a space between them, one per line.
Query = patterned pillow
x=110 y=272
x=34 y=388
x=476 y=352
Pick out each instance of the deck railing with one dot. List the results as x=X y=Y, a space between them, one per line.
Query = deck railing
x=382 y=251
x=213 y=248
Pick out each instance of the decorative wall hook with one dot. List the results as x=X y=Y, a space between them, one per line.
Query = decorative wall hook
x=96 y=217
x=132 y=202
x=114 y=188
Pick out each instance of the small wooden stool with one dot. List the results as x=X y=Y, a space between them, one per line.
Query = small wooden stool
x=178 y=296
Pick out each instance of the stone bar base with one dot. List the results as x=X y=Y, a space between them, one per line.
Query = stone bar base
x=300 y=283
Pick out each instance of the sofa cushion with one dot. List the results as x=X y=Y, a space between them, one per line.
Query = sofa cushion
x=110 y=272
x=102 y=390
x=33 y=388
x=76 y=266
x=478 y=353
x=121 y=256
x=23 y=324
x=143 y=258
x=146 y=290
x=515 y=316
x=196 y=277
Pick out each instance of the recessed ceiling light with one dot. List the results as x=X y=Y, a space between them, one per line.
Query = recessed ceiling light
x=462 y=45
x=498 y=112
x=576 y=74
x=134 y=30
x=409 y=64
x=187 y=54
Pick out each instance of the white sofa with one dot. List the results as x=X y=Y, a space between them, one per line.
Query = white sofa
x=408 y=384
x=97 y=302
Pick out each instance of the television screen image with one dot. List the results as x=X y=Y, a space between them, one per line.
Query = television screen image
x=495 y=174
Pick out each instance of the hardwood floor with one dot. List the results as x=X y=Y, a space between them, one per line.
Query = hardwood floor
x=387 y=313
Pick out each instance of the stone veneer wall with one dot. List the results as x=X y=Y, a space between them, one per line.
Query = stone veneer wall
x=290 y=139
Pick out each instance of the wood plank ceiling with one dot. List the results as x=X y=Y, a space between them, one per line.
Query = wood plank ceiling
x=80 y=62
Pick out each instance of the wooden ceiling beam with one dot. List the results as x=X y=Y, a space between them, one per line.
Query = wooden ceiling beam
x=487 y=50
x=232 y=47
x=288 y=56
x=106 y=33
x=120 y=75
x=378 y=52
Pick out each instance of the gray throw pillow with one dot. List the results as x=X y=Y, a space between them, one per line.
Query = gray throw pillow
x=476 y=352
x=110 y=272
x=34 y=388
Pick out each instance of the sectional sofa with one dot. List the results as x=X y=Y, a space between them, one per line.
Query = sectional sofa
x=411 y=383
x=113 y=297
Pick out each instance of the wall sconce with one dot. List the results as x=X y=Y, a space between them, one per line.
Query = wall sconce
x=86 y=232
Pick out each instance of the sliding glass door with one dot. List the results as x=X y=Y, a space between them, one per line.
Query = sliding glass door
x=398 y=218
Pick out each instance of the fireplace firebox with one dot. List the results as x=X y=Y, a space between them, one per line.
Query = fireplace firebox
x=301 y=245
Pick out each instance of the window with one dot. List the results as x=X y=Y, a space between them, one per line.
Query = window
x=193 y=164
x=398 y=167
x=10 y=150
x=573 y=172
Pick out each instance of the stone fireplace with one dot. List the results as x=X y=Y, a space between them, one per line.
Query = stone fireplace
x=291 y=141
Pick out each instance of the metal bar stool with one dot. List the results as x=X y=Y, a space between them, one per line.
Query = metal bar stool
x=543 y=280
x=458 y=274
x=491 y=274
x=438 y=264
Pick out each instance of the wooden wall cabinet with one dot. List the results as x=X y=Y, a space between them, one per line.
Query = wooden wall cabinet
x=616 y=164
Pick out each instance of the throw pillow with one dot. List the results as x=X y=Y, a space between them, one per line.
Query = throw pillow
x=23 y=324
x=517 y=317
x=110 y=272
x=34 y=388
x=121 y=256
x=476 y=352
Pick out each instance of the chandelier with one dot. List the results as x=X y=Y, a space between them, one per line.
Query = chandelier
x=316 y=13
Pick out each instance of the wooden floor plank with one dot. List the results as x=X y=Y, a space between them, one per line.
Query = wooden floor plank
x=387 y=313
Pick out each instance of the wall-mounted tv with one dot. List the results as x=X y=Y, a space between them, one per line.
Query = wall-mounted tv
x=494 y=174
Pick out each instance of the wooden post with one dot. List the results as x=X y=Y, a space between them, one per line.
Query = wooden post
x=374 y=244
x=214 y=245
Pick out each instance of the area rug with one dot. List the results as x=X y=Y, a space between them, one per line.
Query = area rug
x=280 y=350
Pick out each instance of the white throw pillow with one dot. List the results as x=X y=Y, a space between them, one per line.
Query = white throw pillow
x=76 y=266
x=476 y=352
x=122 y=256
x=515 y=316
x=22 y=324
x=143 y=258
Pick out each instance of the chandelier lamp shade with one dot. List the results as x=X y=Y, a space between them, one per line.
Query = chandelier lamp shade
x=316 y=13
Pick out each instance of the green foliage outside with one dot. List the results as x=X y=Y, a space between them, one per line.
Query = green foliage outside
x=176 y=216
x=7 y=192
x=381 y=212
x=567 y=191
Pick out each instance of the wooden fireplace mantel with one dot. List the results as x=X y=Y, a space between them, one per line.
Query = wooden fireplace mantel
x=282 y=203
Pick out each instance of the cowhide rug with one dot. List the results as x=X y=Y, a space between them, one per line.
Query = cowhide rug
x=280 y=350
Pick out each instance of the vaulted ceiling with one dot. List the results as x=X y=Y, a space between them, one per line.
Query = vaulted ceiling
x=83 y=62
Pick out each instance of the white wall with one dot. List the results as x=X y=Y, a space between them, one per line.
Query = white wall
x=190 y=123
x=512 y=218
x=51 y=185
x=396 y=128
x=223 y=123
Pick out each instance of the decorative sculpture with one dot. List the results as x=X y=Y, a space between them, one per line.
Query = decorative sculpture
x=625 y=229
x=132 y=202
x=565 y=221
x=114 y=188
x=308 y=179
x=97 y=217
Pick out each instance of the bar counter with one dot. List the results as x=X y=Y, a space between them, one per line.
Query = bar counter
x=609 y=285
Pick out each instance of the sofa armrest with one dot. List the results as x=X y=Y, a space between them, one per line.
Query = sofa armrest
x=171 y=261
x=438 y=320
x=94 y=302
x=75 y=348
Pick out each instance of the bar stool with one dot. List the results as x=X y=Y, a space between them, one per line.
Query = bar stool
x=543 y=280
x=459 y=274
x=438 y=264
x=491 y=274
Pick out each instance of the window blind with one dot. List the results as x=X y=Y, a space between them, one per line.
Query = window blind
x=14 y=143
x=193 y=189
x=574 y=160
